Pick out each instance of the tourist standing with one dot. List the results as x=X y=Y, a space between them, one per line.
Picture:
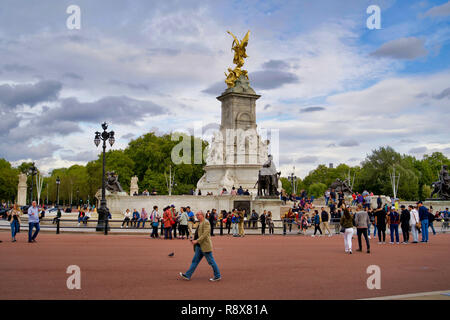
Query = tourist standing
x=262 y=219
x=405 y=218
x=269 y=222
x=202 y=248
x=414 y=222
x=346 y=223
x=154 y=220
x=431 y=220
x=327 y=196
x=191 y=221
x=325 y=219
x=33 y=222
x=423 y=216
x=174 y=214
x=168 y=221
x=212 y=220
x=241 y=223
x=380 y=221
x=362 y=223
x=235 y=222
x=393 y=220
x=14 y=219
x=183 y=223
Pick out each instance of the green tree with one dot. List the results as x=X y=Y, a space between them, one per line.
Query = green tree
x=317 y=189
x=9 y=178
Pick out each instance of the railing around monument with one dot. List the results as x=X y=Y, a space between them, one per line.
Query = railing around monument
x=73 y=225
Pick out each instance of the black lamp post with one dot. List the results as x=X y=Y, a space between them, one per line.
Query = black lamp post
x=58 y=182
x=32 y=171
x=103 y=211
x=293 y=180
x=78 y=197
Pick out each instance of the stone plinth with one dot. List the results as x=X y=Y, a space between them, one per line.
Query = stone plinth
x=237 y=152
x=22 y=190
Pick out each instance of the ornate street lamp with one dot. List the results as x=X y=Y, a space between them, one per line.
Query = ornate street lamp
x=32 y=171
x=293 y=180
x=58 y=182
x=103 y=211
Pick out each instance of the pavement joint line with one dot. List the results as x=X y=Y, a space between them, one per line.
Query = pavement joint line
x=410 y=295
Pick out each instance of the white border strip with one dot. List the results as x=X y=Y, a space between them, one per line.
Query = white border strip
x=411 y=295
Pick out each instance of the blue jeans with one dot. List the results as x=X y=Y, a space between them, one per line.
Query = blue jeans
x=430 y=224
x=424 y=230
x=168 y=233
x=394 y=228
x=32 y=225
x=326 y=200
x=14 y=228
x=143 y=222
x=198 y=257
x=374 y=230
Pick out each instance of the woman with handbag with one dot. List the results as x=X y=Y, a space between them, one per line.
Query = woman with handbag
x=154 y=220
x=14 y=219
x=347 y=227
x=269 y=222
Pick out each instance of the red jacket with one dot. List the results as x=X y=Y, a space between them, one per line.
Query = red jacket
x=167 y=219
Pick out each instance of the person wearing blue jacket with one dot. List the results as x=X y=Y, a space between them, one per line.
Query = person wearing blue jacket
x=316 y=223
x=423 y=217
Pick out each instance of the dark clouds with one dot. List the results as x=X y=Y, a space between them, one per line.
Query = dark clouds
x=307 y=159
x=312 y=109
x=403 y=48
x=418 y=150
x=439 y=11
x=29 y=94
x=275 y=65
x=349 y=143
x=444 y=94
x=271 y=79
x=17 y=68
x=134 y=86
x=72 y=75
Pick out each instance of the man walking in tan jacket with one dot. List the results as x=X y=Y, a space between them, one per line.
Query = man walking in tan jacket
x=202 y=248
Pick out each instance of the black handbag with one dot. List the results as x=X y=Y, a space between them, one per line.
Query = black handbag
x=342 y=229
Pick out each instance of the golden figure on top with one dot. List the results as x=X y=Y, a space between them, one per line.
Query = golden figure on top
x=240 y=53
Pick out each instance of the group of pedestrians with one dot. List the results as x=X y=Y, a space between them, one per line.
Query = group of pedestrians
x=413 y=219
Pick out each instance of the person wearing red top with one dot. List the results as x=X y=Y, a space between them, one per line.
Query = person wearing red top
x=168 y=220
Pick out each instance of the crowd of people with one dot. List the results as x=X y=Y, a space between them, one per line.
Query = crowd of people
x=170 y=223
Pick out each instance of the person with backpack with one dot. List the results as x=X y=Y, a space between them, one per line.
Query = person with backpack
x=154 y=220
x=393 y=220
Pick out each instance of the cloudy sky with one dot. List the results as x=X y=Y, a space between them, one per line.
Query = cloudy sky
x=334 y=89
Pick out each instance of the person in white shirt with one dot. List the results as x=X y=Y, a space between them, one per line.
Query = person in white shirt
x=127 y=216
x=33 y=222
x=413 y=221
x=87 y=216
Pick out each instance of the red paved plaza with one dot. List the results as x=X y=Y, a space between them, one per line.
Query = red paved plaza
x=254 y=267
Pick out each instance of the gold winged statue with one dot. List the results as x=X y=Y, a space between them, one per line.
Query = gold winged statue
x=239 y=48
